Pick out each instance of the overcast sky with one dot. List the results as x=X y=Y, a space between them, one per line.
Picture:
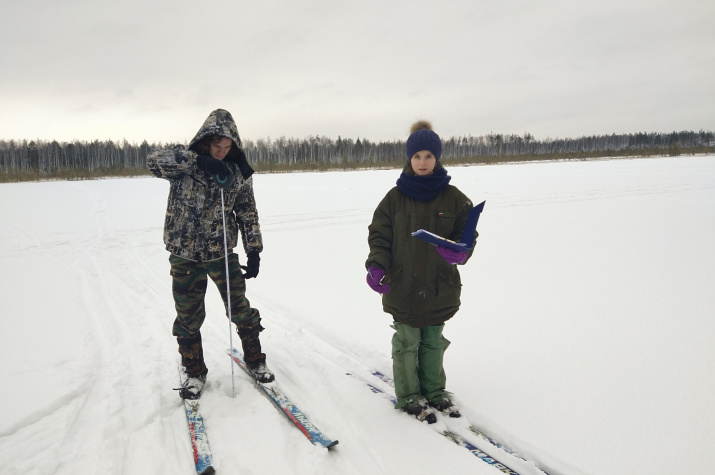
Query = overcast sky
x=142 y=69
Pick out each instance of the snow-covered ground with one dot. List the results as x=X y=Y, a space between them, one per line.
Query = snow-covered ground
x=585 y=337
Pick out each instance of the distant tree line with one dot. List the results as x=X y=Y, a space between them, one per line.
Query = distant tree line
x=324 y=153
x=77 y=159
x=39 y=159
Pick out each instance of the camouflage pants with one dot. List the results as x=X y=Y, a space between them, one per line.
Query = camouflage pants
x=189 y=281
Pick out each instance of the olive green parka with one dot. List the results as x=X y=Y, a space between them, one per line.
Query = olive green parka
x=425 y=289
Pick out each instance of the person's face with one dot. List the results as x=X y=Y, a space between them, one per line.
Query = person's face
x=218 y=149
x=423 y=163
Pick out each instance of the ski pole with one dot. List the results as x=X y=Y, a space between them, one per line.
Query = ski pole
x=228 y=295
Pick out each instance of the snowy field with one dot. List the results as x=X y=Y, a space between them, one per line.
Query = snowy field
x=585 y=338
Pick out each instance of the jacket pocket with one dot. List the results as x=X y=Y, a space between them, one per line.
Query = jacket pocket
x=445 y=224
x=393 y=276
x=448 y=280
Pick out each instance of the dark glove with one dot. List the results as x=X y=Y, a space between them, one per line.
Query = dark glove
x=211 y=165
x=251 y=267
x=221 y=174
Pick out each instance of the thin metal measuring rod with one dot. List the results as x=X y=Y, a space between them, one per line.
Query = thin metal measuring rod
x=228 y=295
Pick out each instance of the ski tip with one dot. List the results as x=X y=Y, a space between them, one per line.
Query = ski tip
x=331 y=444
x=208 y=471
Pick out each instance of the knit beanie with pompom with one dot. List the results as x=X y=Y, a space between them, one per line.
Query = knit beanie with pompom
x=422 y=137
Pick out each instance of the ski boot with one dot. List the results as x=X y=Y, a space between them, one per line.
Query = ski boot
x=252 y=355
x=446 y=407
x=192 y=359
x=192 y=387
x=421 y=410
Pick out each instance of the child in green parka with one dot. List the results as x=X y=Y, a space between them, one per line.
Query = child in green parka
x=419 y=282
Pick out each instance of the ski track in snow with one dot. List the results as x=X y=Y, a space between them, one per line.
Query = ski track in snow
x=294 y=222
x=93 y=357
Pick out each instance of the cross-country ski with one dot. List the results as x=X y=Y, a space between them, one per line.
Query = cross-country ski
x=197 y=433
x=291 y=411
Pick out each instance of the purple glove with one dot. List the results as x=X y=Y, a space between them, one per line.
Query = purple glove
x=452 y=257
x=374 y=277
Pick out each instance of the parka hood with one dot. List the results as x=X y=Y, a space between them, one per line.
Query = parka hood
x=220 y=122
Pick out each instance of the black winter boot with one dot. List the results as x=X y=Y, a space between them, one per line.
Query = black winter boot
x=421 y=410
x=192 y=387
x=445 y=406
x=192 y=358
x=252 y=355
x=192 y=355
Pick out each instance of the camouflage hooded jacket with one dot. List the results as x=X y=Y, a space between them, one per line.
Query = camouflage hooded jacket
x=193 y=228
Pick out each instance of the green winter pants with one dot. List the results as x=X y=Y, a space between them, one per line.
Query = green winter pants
x=189 y=281
x=417 y=363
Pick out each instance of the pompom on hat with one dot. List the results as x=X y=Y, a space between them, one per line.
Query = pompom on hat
x=422 y=137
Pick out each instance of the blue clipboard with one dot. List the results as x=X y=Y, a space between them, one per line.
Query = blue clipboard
x=467 y=241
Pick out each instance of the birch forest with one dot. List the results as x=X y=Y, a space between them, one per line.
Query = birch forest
x=39 y=159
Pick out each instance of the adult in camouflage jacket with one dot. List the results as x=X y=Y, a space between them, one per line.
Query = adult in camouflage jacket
x=420 y=283
x=213 y=168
